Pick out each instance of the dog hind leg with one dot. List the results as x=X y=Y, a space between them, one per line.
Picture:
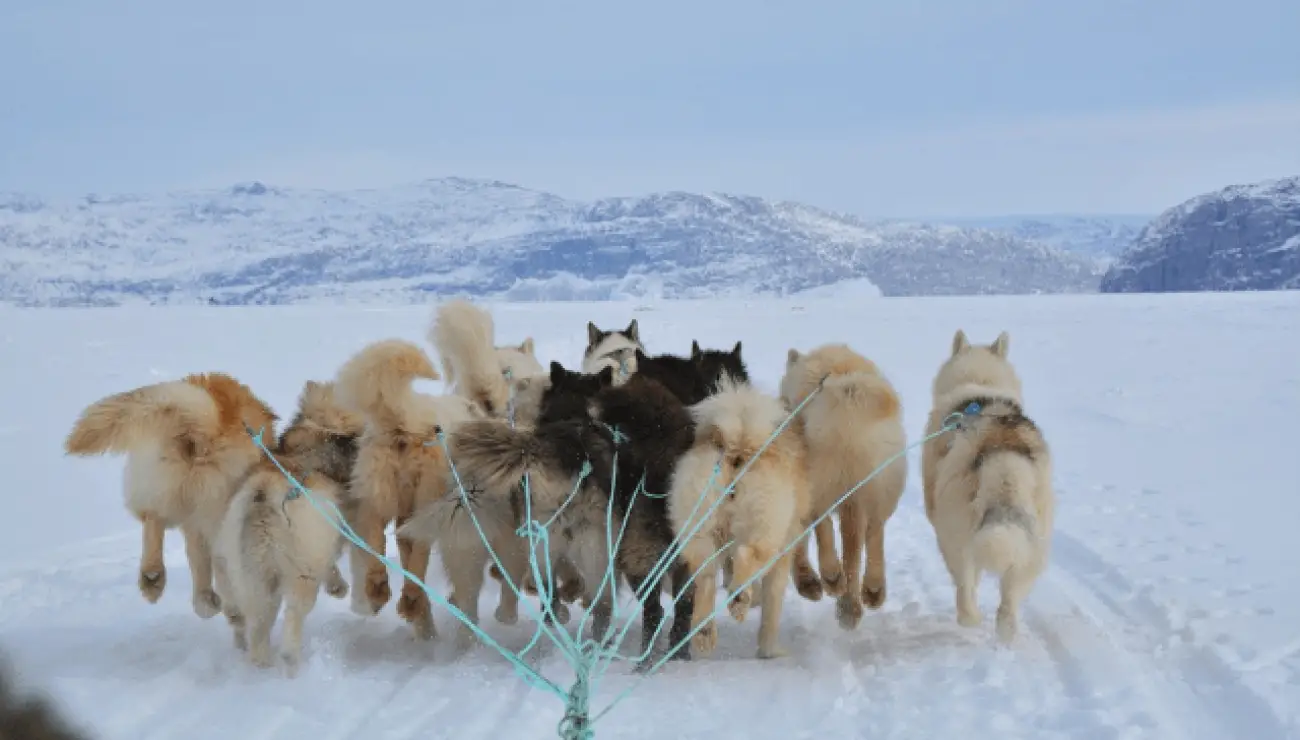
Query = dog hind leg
x=206 y=602
x=848 y=609
x=769 y=624
x=301 y=600
x=806 y=580
x=153 y=572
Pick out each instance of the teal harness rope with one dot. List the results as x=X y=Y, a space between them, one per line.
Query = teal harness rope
x=591 y=658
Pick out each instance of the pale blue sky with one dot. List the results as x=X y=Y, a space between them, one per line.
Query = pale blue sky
x=905 y=108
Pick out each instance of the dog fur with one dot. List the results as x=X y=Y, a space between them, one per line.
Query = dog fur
x=761 y=514
x=659 y=430
x=188 y=448
x=400 y=466
x=694 y=378
x=32 y=717
x=323 y=437
x=613 y=349
x=473 y=367
x=988 y=485
x=492 y=458
x=850 y=428
x=273 y=547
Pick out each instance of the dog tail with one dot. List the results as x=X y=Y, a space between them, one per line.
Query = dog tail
x=125 y=421
x=489 y=458
x=1004 y=537
x=464 y=334
x=376 y=381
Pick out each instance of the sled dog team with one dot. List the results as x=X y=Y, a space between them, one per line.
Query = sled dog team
x=701 y=458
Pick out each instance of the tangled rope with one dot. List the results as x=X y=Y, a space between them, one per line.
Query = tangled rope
x=590 y=659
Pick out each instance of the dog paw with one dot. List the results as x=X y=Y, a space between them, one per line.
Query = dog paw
x=969 y=618
x=848 y=612
x=560 y=612
x=571 y=590
x=412 y=605
x=872 y=595
x=206 y=604
x=290 y=663
x=833 y=579
x=152 y=583
x=261 y=657
x=465 y=638
x=507 y=614
x=809 y=586
x=378 y=592
x=706 y=639
x=767 y=652
x=739 y=605
x=335 y=586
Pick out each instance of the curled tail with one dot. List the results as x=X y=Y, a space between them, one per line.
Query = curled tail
x=464 y=335
x=124 y=421
x=1005 y=533
x=490 y=458
x=376 y=381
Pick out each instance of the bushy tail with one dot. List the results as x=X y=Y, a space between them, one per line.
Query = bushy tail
x=376 y=381
x=124 y=421
x=464 y=336
x=489 y=458
x=1006 y=530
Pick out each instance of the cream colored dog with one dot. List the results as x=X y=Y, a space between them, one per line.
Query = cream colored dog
x=273 y=547
x=851 y=427
x=472 y=365
x=762 y=514
x=188 y=449
x=988 y=485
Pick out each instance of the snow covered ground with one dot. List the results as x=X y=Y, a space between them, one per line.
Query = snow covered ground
x=1171 y=610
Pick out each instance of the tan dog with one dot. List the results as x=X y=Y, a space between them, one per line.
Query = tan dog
x=464 y=334
x=851 y=427
x=274 y=546
x=988 y=485
x=762 y=514
x=400 y=465
x=188 y=449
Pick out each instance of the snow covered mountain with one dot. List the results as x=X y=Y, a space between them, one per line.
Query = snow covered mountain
x=1103 y=236
x=1243 y=237
x=254 y=243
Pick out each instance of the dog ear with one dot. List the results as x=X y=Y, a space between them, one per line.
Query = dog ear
x=791 y=357
x=605 y=376
x=594 y=335
x=959 y=342
x=1001 y=345
x=633 y=332
x=735 y=351
x=695 y=350
x=527 y=347
x=557 y=373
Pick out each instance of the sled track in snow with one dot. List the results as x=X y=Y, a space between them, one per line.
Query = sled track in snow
x=1096 y=658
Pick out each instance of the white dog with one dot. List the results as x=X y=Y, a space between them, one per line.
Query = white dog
x=988 y=485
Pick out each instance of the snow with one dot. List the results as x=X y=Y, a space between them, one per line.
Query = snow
x=1171 y=608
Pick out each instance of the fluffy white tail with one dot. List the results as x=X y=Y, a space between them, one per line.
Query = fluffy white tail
x=376 y=381
x=464 y=336
x=124 y=421
x=1006 y=529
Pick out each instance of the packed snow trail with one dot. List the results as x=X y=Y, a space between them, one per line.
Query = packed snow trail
x=1132 y=632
